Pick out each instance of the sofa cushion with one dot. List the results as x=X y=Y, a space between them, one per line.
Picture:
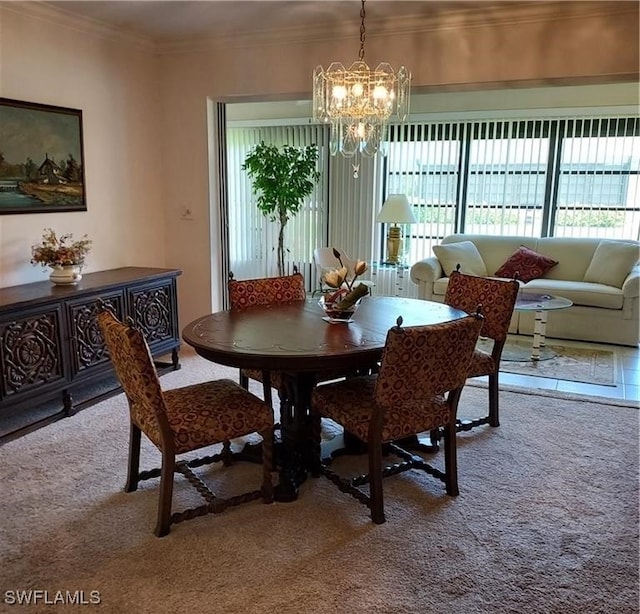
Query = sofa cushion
x=465 y=254
x=611 y=263
x=494 y=250
x=527 y=264
x=572 y=253
x=580 y=292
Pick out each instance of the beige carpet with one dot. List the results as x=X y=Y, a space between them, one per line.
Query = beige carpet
x=546 y=522
x=591 y=366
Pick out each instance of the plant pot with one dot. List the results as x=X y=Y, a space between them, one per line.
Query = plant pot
x=66 y=274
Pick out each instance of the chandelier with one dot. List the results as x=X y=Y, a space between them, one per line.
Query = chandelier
x=358 y=102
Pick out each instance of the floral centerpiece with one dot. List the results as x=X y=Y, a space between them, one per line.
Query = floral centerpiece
x=64 y=255
x=59 y=251
x=342 y=302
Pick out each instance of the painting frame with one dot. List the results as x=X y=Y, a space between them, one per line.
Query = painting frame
x=42 y=166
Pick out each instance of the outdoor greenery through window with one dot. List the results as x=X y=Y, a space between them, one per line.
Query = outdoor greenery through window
x=538 y=177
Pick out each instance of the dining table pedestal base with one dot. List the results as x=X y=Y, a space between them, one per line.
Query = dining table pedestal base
x=294 y=455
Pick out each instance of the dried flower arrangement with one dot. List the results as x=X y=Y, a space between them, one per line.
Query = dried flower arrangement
x=60 y=250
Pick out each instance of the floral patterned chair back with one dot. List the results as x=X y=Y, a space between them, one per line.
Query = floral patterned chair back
x=417 y=389
x=266 y=290
x=137 y=374
x=181 y=420
x=422 y=363
x=497 y=297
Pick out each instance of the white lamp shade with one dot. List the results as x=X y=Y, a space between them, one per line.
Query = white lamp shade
x=396 y=210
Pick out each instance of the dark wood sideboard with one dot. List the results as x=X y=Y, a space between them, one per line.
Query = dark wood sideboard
x=53 y=361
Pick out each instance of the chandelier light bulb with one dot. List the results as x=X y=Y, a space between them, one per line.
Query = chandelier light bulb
x=357 y=89
x=380 y=92
x=339 y=92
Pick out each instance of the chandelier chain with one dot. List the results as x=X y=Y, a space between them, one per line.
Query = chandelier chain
x=362 y=34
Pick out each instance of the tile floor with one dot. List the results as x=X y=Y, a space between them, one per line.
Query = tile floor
x=627 y=376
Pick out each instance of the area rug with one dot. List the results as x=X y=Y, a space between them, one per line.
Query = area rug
x=546 y=522
x=590 y=366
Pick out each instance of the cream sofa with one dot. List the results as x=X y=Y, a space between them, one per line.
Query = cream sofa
x=601 y=312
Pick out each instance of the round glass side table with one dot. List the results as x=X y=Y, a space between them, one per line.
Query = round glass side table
x=541 y=304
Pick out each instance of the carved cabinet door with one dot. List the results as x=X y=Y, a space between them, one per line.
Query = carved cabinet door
x=87 y=345
x=31 y=352
x=153 y=308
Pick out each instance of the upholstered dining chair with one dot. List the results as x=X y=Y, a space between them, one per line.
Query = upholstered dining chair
x=498 y=299
x=183 y=420
x=264 y=291
x=268 y=291
x=417 y=388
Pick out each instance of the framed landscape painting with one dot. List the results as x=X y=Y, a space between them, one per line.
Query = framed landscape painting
x=41 y=158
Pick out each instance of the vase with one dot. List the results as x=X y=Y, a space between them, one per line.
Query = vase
x=333 y=314
x=65 y=274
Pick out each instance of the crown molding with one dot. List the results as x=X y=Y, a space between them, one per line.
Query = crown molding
x=422 y=22
x=524 y=12
x=67 y=19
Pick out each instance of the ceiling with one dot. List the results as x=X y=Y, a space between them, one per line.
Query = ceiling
x=170 y=21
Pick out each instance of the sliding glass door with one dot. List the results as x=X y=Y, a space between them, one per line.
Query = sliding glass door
x=530 y=177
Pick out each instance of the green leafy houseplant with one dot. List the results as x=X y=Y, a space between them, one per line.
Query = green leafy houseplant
x=282 y=179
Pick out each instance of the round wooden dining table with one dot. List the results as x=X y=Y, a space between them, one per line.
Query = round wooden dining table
x=293 y=338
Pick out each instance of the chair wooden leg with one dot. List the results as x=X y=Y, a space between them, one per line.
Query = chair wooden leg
x=133 y=469
x=450 y=459
x=266 y=389
x=226 y=454
x=434 y=437
x=267 y=465
x=494 y=418
x=243 y=380
x=375 y=482
x=166 y=493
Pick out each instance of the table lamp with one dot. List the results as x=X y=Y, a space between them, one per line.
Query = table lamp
x=395 y=210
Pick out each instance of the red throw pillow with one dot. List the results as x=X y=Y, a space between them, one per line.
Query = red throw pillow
x=527 y=263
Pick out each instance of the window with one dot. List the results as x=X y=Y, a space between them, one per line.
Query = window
x=253 y=239
x=598 y=193
x=423 y=162
x=507 y=173
x=530 y=177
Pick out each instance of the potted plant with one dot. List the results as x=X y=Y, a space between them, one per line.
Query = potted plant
x=282 y=179
x=64 y=255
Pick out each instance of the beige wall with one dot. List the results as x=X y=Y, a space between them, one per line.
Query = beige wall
x=146 y=140
x=116 y=86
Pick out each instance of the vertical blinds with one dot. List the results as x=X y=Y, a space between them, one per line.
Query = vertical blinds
x=253 y=237
x=526 y=177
